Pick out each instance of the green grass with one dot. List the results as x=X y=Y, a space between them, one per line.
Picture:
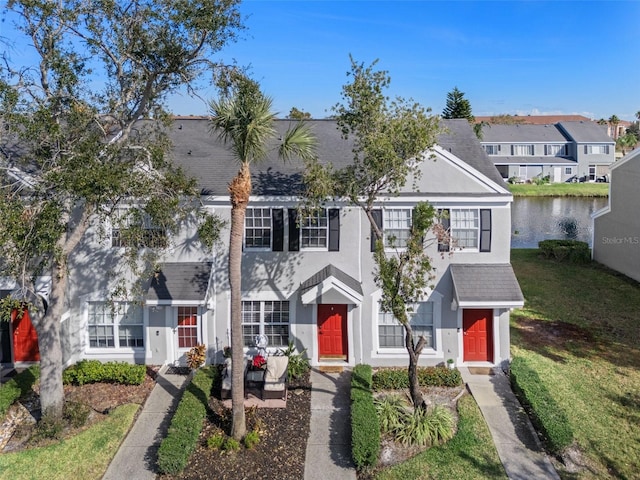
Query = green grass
x=560 y=190
x=579 y=331
x=85 y=456
x=469 y=455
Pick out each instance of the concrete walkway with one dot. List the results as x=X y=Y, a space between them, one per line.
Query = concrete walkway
x=515 y=439
x=137 y=456
x=329 y=446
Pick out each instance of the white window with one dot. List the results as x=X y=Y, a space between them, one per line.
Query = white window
x=257 y=228
x=391 y=334
x=465 y=226
x=492 y=149
x=568 y=170
x=117 y=325
x=314 y=230
x=135 y=227
x=397 y=227
x=555 y=150
x=522 y=150
x=596 y=149
x=270 y=318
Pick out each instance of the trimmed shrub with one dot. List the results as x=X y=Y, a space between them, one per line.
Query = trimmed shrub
x=398 y=378
x=94 y=371
x=17 y=387
x=365 y=428
x=186 y=424
x=572 y=251
x=548 y=418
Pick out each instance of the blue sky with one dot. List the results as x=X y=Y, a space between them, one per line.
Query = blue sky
x=517 y=57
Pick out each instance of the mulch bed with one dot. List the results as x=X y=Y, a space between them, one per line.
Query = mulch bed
x=280 y=453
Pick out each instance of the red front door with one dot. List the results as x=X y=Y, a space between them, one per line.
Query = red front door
x=25 y=338
x=477 y=327
x=332 y=331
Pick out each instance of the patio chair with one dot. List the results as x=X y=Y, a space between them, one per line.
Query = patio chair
x=275 y=377
x=225 y=389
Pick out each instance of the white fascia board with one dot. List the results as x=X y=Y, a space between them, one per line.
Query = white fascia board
x=331 y=283
x=174 y=303
x=629 y=156
x=469 y=170
x=603 y=211
x=492 y=304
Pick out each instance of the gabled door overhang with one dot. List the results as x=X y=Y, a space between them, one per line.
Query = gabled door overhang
x=331 y=285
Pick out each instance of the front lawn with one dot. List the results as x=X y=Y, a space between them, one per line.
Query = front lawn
x=84 y=456
x=560 y=190
x=579 y=331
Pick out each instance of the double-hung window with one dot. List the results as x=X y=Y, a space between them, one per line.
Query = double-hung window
x=391 y=333
x=115 y=325
x=492 y=149
x=468 y=229
x=596 y=149
x=314 y=230
x=397 y=227
x=257 y=230
x=267 y=317
x=555 y=150
x=522 y=150
x=131 y=226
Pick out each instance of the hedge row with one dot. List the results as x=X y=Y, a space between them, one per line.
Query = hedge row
x=548 y=418
x=186 y=424
x=397 y=378
x=572 y=250
x=94 y=371
x=17 y=387
x=365 y=428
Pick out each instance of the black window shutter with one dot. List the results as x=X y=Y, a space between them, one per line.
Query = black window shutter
x=377 y=218
x=334 y=230
x=294 y=231
x=446 y=224
x=485 y=230
x=277 y=219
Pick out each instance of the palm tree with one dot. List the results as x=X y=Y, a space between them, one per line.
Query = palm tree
x=614 y=121
x=243 y=119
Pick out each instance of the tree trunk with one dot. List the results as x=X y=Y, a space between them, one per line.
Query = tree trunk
x=48 y=328
x=240 y=190
x=414 y=385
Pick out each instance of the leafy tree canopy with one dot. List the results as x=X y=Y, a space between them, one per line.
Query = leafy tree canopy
x=296 y=114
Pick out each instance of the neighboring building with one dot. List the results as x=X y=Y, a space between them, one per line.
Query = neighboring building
x=616 y=228
x=560 y=151
x=309 y=280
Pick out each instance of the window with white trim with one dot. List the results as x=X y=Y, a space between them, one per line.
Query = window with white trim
x=314 y=230
x=555 y=150
x=133 y=226
x=187 y=327
x=465 y=226
x=492 y=149
x=257 y=228
x=522 y=150
x=391 y=333
x=267 y=317
x=115 y=325
x=397 y=227
x=596 y=149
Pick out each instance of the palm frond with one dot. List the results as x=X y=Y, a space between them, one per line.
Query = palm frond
x=298 y=141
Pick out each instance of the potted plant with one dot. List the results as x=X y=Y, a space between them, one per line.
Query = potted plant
x=451 y=364
x=258 y=362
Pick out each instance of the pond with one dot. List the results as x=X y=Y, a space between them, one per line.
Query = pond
x=541 y=218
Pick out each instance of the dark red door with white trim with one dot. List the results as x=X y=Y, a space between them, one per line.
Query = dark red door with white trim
x=332 y=331
x=477 y=329
x=25 y=338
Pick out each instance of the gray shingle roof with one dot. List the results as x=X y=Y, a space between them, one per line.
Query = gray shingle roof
x=204 y=156
x=331 y=271
x=502 y=133
x=586 y=132
x=485 y=283
x=180 y=281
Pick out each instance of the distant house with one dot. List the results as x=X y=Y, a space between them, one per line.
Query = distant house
x=306 y=280
x=560 y=151
x=616 y=228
